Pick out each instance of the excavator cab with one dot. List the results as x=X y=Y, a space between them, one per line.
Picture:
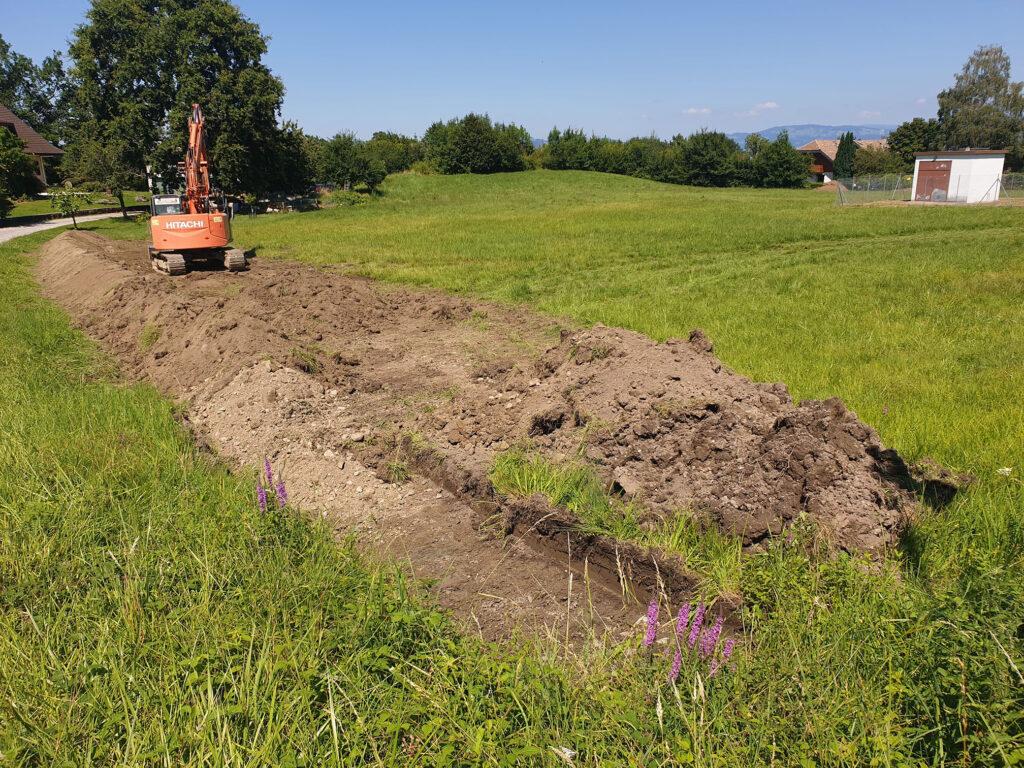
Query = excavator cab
x=164 y=205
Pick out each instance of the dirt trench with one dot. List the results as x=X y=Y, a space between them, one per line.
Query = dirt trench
x=351 y=385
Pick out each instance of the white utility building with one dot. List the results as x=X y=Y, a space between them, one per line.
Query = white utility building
x=958 y=176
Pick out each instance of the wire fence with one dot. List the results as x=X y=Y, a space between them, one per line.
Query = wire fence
x=859 y=190
x=1012 y=187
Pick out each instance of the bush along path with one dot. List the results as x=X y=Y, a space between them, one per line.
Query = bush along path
x=153 y=612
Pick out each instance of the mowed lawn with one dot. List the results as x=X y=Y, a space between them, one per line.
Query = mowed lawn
x=43 y=206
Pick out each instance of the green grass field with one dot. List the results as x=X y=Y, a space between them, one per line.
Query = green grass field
x=912 y=315
x=41 y=207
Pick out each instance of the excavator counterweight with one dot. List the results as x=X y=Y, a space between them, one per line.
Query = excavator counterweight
x=194 y=226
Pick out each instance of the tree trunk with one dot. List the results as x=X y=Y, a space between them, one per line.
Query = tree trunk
x=120 y=199
x=74 y=221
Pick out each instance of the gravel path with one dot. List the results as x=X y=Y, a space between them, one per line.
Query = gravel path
x=9 y=233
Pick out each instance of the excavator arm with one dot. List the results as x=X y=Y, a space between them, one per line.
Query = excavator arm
x=197 y=165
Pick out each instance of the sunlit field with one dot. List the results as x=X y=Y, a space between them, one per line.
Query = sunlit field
x=135 y=600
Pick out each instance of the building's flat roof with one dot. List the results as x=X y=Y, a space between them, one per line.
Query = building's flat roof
x=962 y=152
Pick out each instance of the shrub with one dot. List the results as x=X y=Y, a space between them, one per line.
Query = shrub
x=69 y=201
x=368 y=169
x=17 y=170
x=424 y=168
x=347 y=197
x=6 y=205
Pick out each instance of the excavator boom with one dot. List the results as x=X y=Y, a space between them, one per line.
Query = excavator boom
x=197 y=165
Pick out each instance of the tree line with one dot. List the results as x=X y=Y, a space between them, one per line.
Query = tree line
x=474 y=144
x=118 y=101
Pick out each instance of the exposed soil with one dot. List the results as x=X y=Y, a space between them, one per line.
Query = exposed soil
x=332 y=376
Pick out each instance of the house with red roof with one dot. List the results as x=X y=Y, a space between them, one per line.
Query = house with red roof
x=823 y=155
x=38 y=148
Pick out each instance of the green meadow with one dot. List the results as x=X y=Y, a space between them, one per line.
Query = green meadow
x=150 y=615
x=96 y=201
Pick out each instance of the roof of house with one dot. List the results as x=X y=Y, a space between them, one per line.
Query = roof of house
x=961 y=152
x=34 y=143
x=830 y=147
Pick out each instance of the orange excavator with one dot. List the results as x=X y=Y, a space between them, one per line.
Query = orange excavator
x=196 y=226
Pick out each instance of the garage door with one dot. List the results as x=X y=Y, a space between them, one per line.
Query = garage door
x=933 y=180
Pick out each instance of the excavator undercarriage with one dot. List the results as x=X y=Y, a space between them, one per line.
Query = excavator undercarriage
x=173 y=263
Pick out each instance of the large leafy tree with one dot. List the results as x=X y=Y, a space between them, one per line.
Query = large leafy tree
x=984 y=107
x=93 y=162
x=473 y=144
x=338 y=159
x=139 y=65
x=38 y=94
x=569 y=149
x=398 y=152
x=709 y=159
x=315 y=148
x=869 y=161
x=843 y=165
x=778 y=164
x=913 y=136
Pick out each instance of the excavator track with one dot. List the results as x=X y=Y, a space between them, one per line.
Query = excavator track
x=169 y=263
x=234 y=260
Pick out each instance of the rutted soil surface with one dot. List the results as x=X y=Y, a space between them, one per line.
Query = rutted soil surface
x=331 y=376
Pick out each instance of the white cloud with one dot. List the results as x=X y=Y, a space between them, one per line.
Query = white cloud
x=867 y=114
x=921 y=102
x=698 y=111
x=764 y=106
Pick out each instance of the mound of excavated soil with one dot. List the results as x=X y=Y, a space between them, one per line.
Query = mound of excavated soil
x=355 y=365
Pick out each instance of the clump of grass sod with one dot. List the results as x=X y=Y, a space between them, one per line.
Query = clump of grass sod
x=912 y=315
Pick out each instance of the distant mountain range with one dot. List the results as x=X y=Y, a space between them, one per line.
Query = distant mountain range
x=801 y=134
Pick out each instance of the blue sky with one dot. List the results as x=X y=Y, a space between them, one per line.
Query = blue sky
x=620 y=69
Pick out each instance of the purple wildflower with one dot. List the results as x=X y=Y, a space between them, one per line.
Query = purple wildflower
x=268 y=471
x=698 y=623
x=717 y=664
x=677 y=663
x=652 y=623
x=261 y=496
x=727 y=649
x=282 y=494
x=683 y=620
x=710 y=639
